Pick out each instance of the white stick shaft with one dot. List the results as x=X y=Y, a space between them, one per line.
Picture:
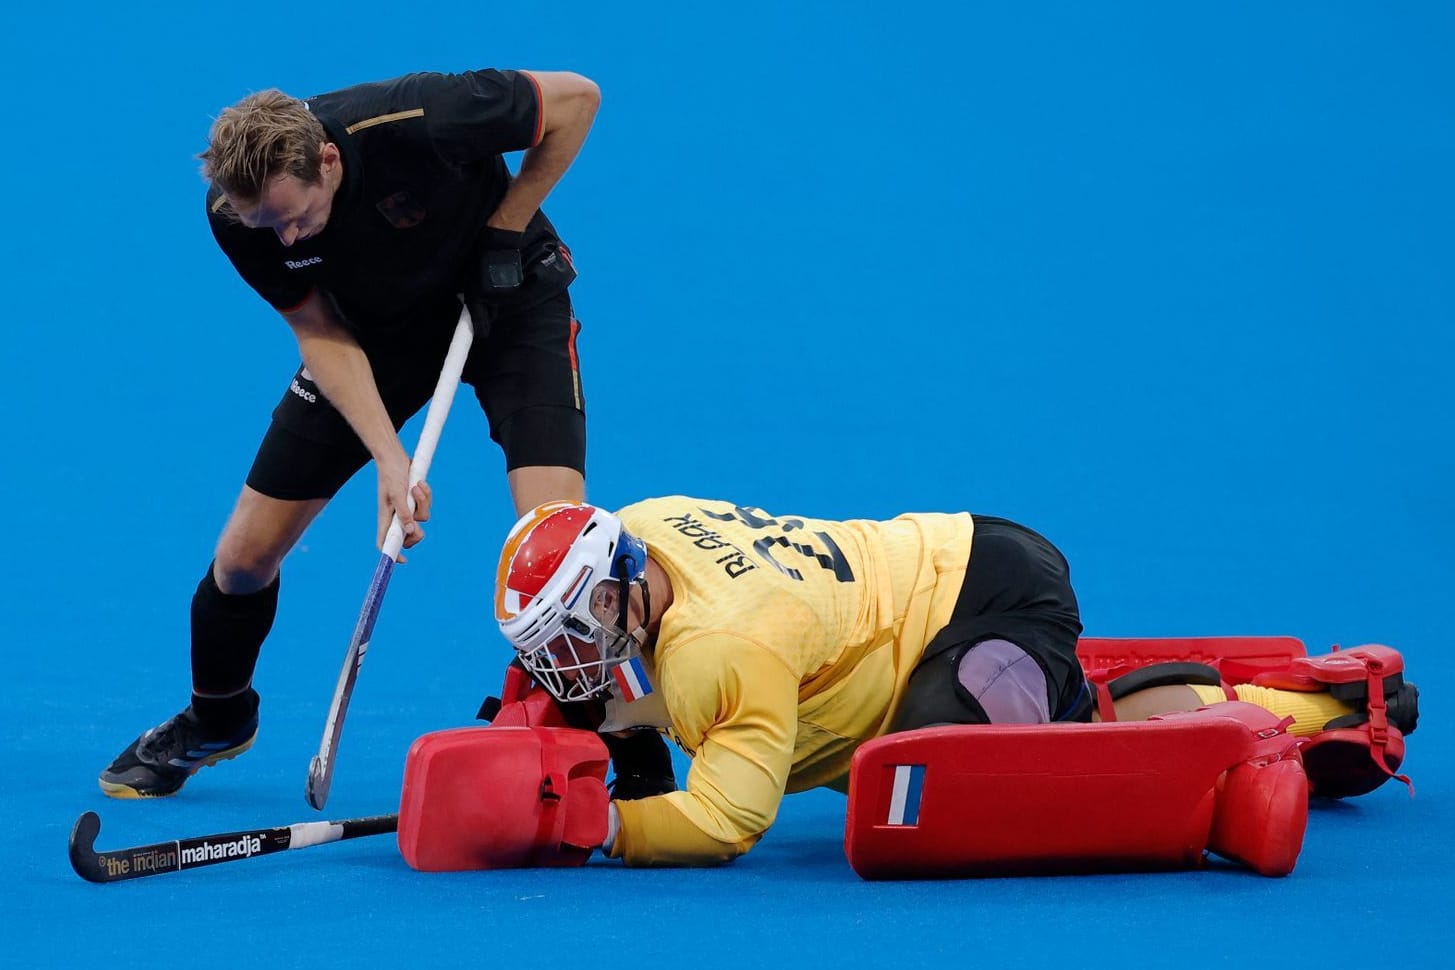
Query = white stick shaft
x=434 y=421
x=305 y=834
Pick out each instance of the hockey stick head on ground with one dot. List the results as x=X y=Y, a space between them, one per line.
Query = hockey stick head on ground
x=320 y=780
x=83 y=848
x=144 y=860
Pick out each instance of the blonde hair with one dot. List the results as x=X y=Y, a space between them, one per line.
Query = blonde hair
x=263 y=136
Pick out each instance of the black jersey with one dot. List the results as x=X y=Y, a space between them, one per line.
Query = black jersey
x=422 y=172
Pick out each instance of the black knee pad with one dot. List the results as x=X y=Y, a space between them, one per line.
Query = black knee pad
x=935 y=695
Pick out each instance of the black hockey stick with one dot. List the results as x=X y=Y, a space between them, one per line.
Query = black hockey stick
x=205 y=850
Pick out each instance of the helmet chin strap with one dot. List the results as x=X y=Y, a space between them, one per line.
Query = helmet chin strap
x=639 y=634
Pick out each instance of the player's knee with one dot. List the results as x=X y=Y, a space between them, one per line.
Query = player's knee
x=260 y=532
x=1006 y=682
x=991 y=681
x=241 y=567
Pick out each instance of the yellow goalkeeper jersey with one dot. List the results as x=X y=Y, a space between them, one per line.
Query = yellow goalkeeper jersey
x=789 y=641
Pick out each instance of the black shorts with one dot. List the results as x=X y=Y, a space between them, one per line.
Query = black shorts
x=1017 y=587
x=525 y=375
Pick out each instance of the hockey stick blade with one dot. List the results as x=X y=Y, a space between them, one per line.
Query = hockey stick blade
x=320 y=769
x=207 y=850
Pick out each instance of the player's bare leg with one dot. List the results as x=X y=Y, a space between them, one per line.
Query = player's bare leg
x=534 y=485
x=1155 y=700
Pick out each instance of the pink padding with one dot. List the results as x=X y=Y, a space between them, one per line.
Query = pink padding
x=985 y=800
x=1121 y=654
x=503 y=797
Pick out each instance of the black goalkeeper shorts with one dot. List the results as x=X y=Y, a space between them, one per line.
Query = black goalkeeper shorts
x=1018 y=588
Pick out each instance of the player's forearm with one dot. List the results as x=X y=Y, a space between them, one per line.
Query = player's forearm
x=728 y=804
x=657 y=831
x=568 y=103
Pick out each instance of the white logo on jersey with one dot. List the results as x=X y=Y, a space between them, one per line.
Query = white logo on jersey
x=300 y=263
x=298 y=389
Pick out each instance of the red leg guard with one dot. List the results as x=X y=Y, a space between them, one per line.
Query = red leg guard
x=1353 y=756
x=1358 y=753
x=1261 y=815
x=503 y=797
x=1001 y=800
x=1353 y=761
x=1262 y=802
x=1356 y=665
x=1117 y=655
x=1110 y=659
x=524 y=703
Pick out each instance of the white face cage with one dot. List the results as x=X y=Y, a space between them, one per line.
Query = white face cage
x=565 y=573
x=574 y=651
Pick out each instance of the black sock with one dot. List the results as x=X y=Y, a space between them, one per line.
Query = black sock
x=223 y=717
x=227 y=635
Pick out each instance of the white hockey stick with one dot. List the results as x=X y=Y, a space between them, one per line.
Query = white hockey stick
x=320 y=770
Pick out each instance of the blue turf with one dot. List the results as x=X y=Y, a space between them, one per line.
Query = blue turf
x=1170 y=282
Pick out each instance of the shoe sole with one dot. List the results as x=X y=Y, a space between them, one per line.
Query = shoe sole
x=115 y=790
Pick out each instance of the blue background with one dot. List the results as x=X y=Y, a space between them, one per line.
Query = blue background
x=1171 y=283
